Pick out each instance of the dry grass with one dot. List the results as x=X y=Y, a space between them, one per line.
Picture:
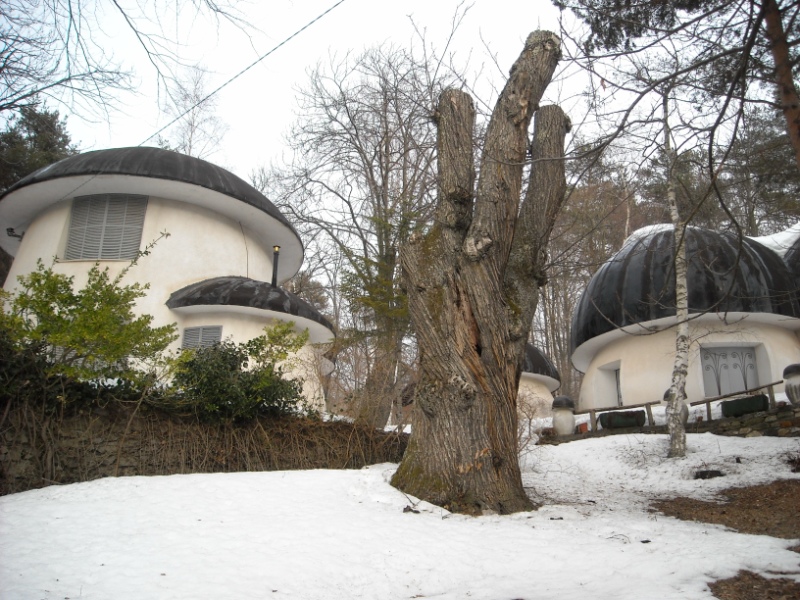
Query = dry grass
x=771 y=509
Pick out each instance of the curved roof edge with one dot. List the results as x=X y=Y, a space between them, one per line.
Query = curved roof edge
x=725 y=275
x=156 y=163
x=244 y=292
x=583 y=355
x=536 y=363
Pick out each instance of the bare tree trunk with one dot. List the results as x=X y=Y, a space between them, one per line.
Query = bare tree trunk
x=472 y=284
x=676 y=396
x=375 y=399
x=784 y=77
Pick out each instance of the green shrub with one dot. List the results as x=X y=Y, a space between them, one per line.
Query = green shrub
x=229 y=381
x=88 y=334
x=59 y=344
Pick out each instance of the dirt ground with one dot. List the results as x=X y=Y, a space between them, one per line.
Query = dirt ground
x=772 y=509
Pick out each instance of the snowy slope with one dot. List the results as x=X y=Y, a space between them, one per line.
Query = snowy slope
x=344 y=534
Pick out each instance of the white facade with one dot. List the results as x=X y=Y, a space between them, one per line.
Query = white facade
x=633 y=367
x=198 y=233
x=535 y=395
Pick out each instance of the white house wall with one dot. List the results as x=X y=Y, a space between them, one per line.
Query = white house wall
x=645 y=362
x=201 y=245
x=43 y=240
x=534 y=399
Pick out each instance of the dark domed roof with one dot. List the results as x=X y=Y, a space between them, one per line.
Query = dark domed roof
x=792 y=259
x=157 y=164
x=537 y=363
x=244 y=292
x=725 y=274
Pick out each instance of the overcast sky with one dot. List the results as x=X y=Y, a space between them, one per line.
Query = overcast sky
x=260 y=105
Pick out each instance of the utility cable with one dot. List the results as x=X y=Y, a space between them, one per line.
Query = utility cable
x=243 y=71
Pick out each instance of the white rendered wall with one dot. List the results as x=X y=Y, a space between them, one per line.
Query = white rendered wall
x=201 y=245
x=645 y=361
x=534 y=399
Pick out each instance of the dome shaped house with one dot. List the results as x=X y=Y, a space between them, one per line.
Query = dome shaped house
x=211 y=275
x=744 y=319
x=538 y=382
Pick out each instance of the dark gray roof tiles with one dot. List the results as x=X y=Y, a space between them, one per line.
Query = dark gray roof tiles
x=155 y=163
x=242 y=291
x=537 y=363
x=725 y=274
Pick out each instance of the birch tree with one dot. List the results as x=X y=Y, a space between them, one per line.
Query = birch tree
x=676 y=395
x=473 y=280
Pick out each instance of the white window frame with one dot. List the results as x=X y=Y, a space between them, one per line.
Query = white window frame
x=105 y=227
x=203 y=336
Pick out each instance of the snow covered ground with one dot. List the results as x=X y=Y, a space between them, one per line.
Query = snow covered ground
x=344 y=534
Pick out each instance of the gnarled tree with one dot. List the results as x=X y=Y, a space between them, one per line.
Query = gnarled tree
x=472 y=282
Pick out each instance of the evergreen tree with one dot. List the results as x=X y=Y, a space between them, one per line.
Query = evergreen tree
x=735 y=52
x=34 y=138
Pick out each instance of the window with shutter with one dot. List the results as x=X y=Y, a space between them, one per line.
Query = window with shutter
x=105 y=227
x=202 y=337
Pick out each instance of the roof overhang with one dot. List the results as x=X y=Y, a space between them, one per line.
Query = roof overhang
x=21 y=206
x=551 y=384
x=583 y=354
x=244 y=296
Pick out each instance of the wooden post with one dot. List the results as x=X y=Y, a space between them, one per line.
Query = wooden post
x=593 y=418
x=708 y=410
x=650 y=420
x=771 y=393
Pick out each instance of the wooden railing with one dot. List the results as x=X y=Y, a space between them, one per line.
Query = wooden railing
x=592 y=412
x=770 y=387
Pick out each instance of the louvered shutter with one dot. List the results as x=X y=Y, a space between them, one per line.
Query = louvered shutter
x=202 y=337
x=106 y=227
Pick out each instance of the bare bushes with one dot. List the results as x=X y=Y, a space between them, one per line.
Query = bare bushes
x=38 y=449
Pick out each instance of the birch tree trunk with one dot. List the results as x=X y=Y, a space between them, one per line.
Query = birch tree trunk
x=472 y=283
x=676 y=395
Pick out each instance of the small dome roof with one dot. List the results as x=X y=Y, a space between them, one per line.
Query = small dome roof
x=536 y=365
x=245 y=293
x=725 y=274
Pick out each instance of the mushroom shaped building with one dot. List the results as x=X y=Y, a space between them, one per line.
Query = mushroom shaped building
x=538 y=382
x=743 y=319
x=212 y=239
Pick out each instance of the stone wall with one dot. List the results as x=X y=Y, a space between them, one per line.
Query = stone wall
x=37 y=450
x=783 y=421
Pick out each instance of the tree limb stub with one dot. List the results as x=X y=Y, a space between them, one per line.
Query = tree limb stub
x=506 y=144
x=456 y=165
x=543 y=201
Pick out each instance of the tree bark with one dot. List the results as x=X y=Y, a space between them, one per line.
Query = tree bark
x=472 y=284
x=676 y=395
x=784 y=77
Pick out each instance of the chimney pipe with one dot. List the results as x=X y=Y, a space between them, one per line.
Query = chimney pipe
x=276 y=253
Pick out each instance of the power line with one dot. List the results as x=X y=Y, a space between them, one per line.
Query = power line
x=242 y=72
